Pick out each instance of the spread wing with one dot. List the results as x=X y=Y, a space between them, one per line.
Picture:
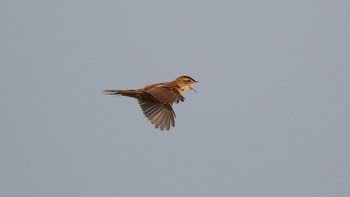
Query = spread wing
x=164 y=93
x=156 y=101
x=160 y=114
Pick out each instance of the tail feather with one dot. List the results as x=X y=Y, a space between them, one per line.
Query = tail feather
x=129 y=93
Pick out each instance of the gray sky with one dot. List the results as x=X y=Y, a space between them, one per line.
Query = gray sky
x=271 y=116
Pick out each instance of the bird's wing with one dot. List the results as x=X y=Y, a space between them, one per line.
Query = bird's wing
x=161 y=115
x=165 y=94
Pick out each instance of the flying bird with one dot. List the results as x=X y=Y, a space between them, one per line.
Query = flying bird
x=156 y=100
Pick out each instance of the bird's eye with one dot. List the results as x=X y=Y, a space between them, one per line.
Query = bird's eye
x=188 y=80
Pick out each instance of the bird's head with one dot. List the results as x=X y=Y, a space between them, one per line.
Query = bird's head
x=184 y=83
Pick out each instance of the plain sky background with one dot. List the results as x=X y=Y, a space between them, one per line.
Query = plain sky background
x=271 y=116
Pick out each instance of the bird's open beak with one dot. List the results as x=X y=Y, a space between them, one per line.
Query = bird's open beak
x=193 y=88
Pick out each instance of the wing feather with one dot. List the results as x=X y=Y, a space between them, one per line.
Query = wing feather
x=160 y=114
x=164 y=93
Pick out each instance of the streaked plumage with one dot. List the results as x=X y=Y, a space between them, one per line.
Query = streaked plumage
x=156 y=100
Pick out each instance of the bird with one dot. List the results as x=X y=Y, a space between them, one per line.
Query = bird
x=156 y=100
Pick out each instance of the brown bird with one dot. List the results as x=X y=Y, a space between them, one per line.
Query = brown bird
x=156 y=100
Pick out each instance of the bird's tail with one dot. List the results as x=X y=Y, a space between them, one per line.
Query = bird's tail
x=129 y=93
